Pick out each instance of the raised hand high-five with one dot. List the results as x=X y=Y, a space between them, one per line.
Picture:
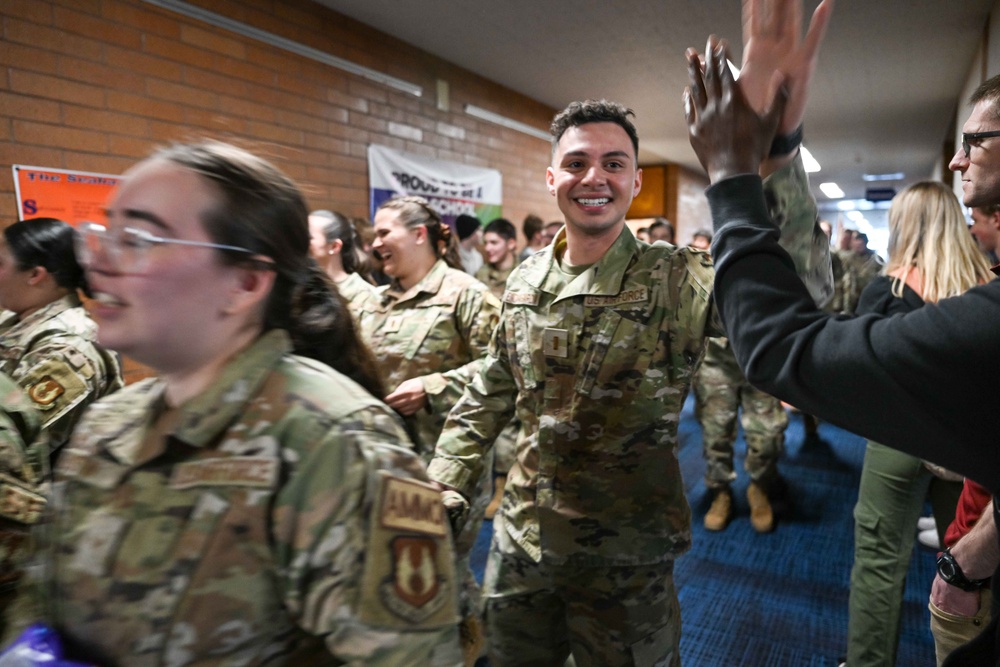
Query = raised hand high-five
x=772 y=42
x=729 y=136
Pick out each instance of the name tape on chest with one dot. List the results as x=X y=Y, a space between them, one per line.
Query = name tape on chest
x=521 y=298
x=637 y=295
x=413 y=506
x=260 y=472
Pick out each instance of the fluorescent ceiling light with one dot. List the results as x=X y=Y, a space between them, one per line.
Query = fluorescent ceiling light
x=509 y=123
x=856 y=215
x=831 y=190
x=226 y=23
x=895 y=176
x=809 y=162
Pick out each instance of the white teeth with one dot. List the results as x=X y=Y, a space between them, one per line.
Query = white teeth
x=594 y=202
x=108 y=300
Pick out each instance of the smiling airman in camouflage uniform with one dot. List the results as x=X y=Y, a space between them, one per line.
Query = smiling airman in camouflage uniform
x=278 y=518
x=596 y=363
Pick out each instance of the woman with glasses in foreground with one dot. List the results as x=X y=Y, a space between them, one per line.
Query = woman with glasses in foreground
x=248 y=505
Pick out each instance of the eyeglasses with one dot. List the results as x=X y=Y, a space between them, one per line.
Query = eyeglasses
x=968 y=137
x=127 y=248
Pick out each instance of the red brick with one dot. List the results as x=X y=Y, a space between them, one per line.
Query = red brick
x=214 y=121
x=272 y=132
x=143 y=106
x=214 y=82
x=273 y=58
x=28 y=58
x=101 y=75
x=213 y=40
x=31 y=156
x=63 y=137
x=55 y=88
x=99 y=163
x=54 y=39
x=245 y=108
x=181 y=94
x=30 y=108
x=140 y=63
x=368 y=123
x=142 y=17
x=31 y=10
x=129 y=147
x=300 y=121
x=352 y=102
x=87 y=25
x=104 y=120
x=370 y=91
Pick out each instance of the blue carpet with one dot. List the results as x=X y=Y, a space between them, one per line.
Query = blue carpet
x=779 y=599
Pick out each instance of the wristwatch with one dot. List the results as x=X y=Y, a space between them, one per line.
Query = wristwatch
x=952 y=574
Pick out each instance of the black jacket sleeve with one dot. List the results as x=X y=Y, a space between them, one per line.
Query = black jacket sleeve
x=923 y=382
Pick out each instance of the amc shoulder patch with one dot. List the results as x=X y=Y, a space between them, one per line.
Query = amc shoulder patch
x=414 y=506
x=409 y=569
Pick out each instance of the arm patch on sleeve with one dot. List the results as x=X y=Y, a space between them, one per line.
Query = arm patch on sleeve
x=409 y=571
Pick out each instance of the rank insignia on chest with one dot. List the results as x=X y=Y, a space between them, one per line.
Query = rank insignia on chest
x=392 y=323
x=555 y=343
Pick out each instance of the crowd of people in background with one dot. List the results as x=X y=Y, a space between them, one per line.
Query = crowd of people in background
x=337 y=403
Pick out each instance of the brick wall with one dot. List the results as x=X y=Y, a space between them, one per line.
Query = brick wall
x=94 y=85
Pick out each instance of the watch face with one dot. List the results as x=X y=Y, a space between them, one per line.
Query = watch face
x=946 y=569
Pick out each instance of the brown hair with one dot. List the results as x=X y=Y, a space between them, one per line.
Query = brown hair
x=262 y=210
x=416 y=211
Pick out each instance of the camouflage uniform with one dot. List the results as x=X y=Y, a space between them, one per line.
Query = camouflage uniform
x=23 y=466
x=597 y=367
x=720 y=389
x=503 y=448
x=437 y=331
x=277 y=518
x=53 y=355
x=861 y=269
x=355 y=290
x=495 y=279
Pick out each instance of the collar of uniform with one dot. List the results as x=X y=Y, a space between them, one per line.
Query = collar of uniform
x=46 y=312
x=208 y=414
x=431 y=284
x=203 y=417
x=603 y=278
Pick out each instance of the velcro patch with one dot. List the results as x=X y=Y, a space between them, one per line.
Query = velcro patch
x=45 y=391
x=637 y=295
x=413 y=506
x=521 y=298
x=20 y=504
x=256 y=471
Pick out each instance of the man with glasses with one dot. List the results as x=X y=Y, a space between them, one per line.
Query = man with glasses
x=937 y=364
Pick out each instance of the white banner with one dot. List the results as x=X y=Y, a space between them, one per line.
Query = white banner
x=450 y=187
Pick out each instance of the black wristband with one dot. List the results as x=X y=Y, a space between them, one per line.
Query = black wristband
x=784 y=144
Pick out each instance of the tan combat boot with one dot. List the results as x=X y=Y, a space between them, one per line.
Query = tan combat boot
x=761 y=514
x=721 y=511
x=498 y=485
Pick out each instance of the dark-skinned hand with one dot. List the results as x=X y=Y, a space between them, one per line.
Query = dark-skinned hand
x=727 y=134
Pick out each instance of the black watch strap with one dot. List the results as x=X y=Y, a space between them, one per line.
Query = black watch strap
x=950 y=571
x=784 y=144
